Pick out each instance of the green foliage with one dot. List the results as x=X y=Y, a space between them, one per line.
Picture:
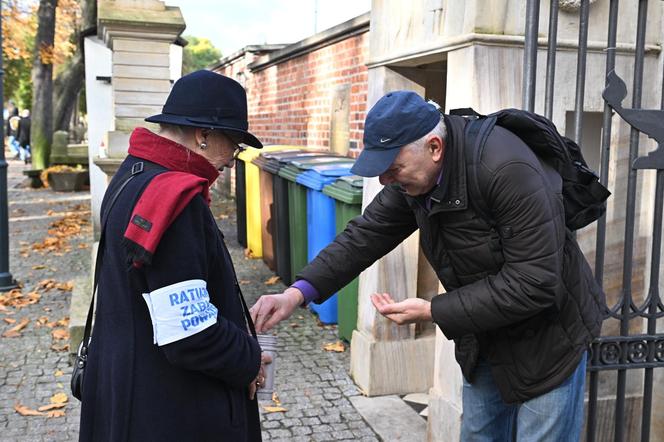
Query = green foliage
x=17 y=83
x=198 y=54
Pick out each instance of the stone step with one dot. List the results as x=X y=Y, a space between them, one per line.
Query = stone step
x=80 y=303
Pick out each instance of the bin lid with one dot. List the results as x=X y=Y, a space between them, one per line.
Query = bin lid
x=345 y=189
x=260 y=161
x=276 y=160
x=289 y=172
x=308 y=163
x=320 y=176
x=353 y=180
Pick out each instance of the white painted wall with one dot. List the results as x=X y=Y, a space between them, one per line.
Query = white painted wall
x=99 y=98
x=175 y=62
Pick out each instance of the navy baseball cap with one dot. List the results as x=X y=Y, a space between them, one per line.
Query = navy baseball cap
x=397 y=119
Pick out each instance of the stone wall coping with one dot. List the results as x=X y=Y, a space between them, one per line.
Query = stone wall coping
x=343 y=31
x=229 y=59
x=469 y=39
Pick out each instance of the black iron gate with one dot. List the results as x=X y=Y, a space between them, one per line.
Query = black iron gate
x=624 y=351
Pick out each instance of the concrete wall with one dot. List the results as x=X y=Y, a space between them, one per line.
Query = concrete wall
x=99 y=102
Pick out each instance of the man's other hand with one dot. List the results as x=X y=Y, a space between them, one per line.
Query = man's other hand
x=269 y=310
x=403 y=312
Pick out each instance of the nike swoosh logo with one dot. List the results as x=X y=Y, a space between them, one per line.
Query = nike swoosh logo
x=385 y=140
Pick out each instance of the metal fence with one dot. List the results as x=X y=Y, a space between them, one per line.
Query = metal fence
x=624 y=351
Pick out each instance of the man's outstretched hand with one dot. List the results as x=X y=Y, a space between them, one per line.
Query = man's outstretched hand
x=403 y=312
x=269 y=310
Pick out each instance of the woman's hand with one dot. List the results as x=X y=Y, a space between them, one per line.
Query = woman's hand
x=404 y=312
x=260 y=379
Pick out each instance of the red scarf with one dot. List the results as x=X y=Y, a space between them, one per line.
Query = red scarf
x=166 y=196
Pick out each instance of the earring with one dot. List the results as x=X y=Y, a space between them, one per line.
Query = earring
x=203 y=145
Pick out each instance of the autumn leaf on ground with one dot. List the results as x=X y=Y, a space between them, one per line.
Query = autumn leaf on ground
x=58 y=373
x=46 y=284
x=25 y=411
x=42 y=320
x=275 y=398
x=55 y=413
x=60 y=334
x=244 y=281
x=294 y=325
x=38 y=267
x=272 y=280
x=15 y=331
x=338 y=347
x=65 y=286
x=222 y=216
x=248 y=253
x=273 y=409
x=83 y=245
x=9 y=320
x=64 y=322
x=51 y=407
x=64 y=347
x=59 y=398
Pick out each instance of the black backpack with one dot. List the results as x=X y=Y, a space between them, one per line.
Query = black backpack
x=584 y=197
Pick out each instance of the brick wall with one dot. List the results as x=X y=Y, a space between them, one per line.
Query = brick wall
x=300 y=100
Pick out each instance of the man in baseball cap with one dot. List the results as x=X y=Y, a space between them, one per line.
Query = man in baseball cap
x=521 y=333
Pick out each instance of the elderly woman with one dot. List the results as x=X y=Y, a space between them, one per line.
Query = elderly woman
x=173 y=354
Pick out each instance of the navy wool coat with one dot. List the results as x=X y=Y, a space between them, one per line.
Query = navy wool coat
x=193 y=389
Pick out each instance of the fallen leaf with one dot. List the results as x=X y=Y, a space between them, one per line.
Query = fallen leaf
x=15 y=331
x=275 y=398
x=222 y=216
x=272 y=280
x=338 y=347
x=42 y=320
x=244 y=281
x=58 y=373
x=64 y=347
x=9 y=320
x=55 y=413
x=60 y=334
x=59 y=398
x=51 y=407
x=83 y=245
x=38 y=267
x=65 y=286
x=25 y=411
x=248 y=253
x=294 y=325
x=274 y=409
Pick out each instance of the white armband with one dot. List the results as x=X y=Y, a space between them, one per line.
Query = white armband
x=180 y=310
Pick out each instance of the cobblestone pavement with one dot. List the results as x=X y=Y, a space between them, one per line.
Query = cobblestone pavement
x=312 y=384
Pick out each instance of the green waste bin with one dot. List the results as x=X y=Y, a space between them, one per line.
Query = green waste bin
x=347 y=193
x=297 y=206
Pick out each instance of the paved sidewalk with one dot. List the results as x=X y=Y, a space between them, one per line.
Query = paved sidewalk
x=312 y=384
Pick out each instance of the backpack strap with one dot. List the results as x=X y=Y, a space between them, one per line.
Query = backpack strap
x=476 y=133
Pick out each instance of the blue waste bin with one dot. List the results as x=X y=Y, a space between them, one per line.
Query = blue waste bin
x=321 y=223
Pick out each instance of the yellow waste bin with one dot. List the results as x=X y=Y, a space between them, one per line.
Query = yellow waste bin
x=253 y=200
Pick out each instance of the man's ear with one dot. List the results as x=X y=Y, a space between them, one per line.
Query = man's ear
x=436 y=148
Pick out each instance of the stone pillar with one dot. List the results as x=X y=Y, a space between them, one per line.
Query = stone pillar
x=139 y=34
x=387 y=358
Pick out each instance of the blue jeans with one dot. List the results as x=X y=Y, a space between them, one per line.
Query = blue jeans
x=554 y=416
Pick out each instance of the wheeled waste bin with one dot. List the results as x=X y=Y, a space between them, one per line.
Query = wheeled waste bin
x=297 y=206
x=347 y=193
x=321 y=224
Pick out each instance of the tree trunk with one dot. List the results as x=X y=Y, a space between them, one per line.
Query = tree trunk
x=41 y=133
x=70 y=82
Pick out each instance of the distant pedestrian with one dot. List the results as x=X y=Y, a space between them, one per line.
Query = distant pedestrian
x=23 y=136
x=11 y=129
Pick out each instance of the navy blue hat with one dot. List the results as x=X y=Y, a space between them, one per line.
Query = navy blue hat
x=209 y=100
x=397 y=119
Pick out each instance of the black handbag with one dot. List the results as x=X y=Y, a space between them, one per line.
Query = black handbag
x=78 y=371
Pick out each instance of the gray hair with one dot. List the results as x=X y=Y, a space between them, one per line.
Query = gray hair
x=440 y=130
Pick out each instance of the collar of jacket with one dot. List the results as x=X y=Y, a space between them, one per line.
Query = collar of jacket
x=452 y=193
x=147 y=145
